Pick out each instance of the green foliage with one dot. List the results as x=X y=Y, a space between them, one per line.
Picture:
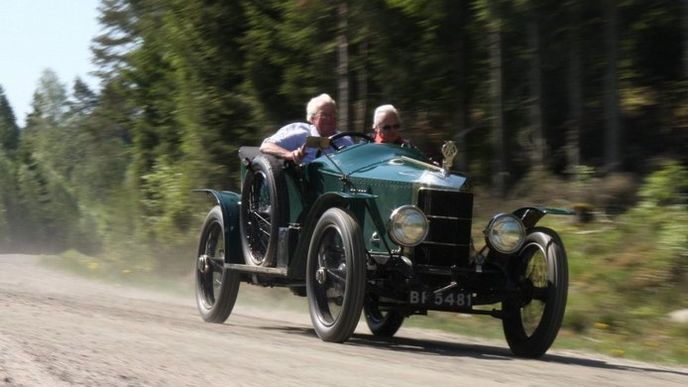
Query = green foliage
x=9 y=131
x=165 y=199
x=626 y=273
x=663 y=209
x=7 y=197
x=49 y=102
x=665 y=188
x=9 y=140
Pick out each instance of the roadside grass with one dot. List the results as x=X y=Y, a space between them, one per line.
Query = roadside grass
x=122 y=272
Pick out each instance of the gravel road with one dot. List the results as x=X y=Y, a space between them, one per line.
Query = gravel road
x=57 y=329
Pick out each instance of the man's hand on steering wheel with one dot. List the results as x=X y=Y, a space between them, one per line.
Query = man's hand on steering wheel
x=362 y=136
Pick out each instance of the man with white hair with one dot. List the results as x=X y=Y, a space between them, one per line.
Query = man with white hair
x=289 y=142
x=387 y=125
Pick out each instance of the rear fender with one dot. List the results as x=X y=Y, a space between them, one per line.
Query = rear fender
x=229 y=203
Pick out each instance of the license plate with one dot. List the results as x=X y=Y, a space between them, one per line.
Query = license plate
x=445 y=299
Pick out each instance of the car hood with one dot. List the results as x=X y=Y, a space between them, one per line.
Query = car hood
x=389 y=162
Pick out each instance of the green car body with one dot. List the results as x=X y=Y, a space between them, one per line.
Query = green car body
x=279 y=230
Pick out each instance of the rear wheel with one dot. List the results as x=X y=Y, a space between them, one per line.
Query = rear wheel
x=381 y=323
x=216 y=287
x=336 y=275
x=532 y=320
x=264 y=208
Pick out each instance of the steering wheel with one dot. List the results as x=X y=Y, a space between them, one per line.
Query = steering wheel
x=362 y=136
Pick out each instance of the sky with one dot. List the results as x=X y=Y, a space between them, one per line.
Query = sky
x=40 y=34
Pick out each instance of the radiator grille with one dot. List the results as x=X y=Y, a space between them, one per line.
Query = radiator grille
x=449 y=238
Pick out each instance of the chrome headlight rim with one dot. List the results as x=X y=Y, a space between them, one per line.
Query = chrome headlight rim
x=492 y=238
x=397 y=216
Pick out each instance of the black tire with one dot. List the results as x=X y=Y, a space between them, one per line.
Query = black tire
x=336 y=275
x=381 y=323
x=532 y=320
x=216 y=287
x=264 y=208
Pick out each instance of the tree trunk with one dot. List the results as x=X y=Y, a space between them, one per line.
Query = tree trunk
x=342 y=68
x=573 y=134
x=499 y=171
x=684 y=96
x=611 y=90
x=362 y=89
x=536 y=114
x=684 y=26
x=460 y=112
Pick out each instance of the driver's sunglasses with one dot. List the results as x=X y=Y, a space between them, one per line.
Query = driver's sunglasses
x=390 y=127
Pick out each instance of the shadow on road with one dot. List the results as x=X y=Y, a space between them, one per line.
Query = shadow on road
x=476 y=351
x=483 y=351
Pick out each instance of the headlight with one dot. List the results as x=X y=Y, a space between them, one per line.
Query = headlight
x=408 y=225
x=505 y=233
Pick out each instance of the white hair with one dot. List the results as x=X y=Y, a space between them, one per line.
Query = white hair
x=316 y=103
x=382 y=111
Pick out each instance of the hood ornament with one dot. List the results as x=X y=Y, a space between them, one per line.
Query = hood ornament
x=449 y=152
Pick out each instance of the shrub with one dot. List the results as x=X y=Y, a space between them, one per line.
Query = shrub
x=661 y=216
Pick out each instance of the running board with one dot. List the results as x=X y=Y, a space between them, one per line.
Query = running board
x=271 y=271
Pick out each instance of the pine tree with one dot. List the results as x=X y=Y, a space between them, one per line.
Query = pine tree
x=9 y=130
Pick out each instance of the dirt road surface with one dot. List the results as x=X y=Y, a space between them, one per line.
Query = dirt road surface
x=57 y=329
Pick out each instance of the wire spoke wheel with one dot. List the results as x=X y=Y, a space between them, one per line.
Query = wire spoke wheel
x=259 y=222
x=209 y=272
x=336 y=275
x=532 y=320
x=264 y=208
x=538 y=283
x=330 y=284
x=216 y=288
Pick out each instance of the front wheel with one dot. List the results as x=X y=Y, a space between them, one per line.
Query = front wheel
x=216 y=287
x=336 y=276
x=532 y=320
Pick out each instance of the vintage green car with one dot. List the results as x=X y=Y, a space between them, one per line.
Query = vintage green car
x=379 y=228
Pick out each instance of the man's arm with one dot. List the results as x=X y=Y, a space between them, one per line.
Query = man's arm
x=273 y=149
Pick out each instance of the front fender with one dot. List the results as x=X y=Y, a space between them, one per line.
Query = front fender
x=230 y=204
x=337 y=199
x=531 y=215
